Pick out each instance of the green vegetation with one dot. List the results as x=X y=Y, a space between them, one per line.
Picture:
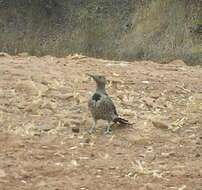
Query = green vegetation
x=116 y=29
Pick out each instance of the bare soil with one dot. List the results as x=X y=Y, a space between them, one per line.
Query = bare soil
x=42 y=99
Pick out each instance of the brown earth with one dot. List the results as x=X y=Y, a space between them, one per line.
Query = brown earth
x=42 y=99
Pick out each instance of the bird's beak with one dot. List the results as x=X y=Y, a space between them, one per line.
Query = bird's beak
x=91 y=75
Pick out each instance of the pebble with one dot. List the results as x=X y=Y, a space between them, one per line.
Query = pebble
x=160 y=124
x=75 y=129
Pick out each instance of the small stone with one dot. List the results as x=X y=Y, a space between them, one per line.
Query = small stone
x=160 y=124
x=86 y=140
x=149 y=101
x=66 y=123
x=197 y=155
x=92 y=155
x=168 y=154
x=45 y=127
x=75 y=129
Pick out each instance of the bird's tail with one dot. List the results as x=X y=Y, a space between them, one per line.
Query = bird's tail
x=121 y=121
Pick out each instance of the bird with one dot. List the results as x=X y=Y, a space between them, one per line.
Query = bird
x=102 y=107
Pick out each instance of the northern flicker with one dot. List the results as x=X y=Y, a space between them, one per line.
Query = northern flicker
x=101 y=105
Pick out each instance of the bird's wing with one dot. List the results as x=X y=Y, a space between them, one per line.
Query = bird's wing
x=107 y=102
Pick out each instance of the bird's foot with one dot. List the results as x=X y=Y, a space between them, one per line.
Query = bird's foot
x=91 y=130
x=108 y=131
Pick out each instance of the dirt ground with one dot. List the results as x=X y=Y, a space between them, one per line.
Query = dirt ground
x=43 y=104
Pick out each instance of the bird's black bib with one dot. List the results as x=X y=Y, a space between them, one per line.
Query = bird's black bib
x=96 y=97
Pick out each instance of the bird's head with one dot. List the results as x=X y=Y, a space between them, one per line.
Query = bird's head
x=99 y=79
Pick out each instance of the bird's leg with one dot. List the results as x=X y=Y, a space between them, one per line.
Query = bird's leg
x=92 y=129
x=108 y=129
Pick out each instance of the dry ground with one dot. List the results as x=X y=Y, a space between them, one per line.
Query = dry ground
x=42 y=99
